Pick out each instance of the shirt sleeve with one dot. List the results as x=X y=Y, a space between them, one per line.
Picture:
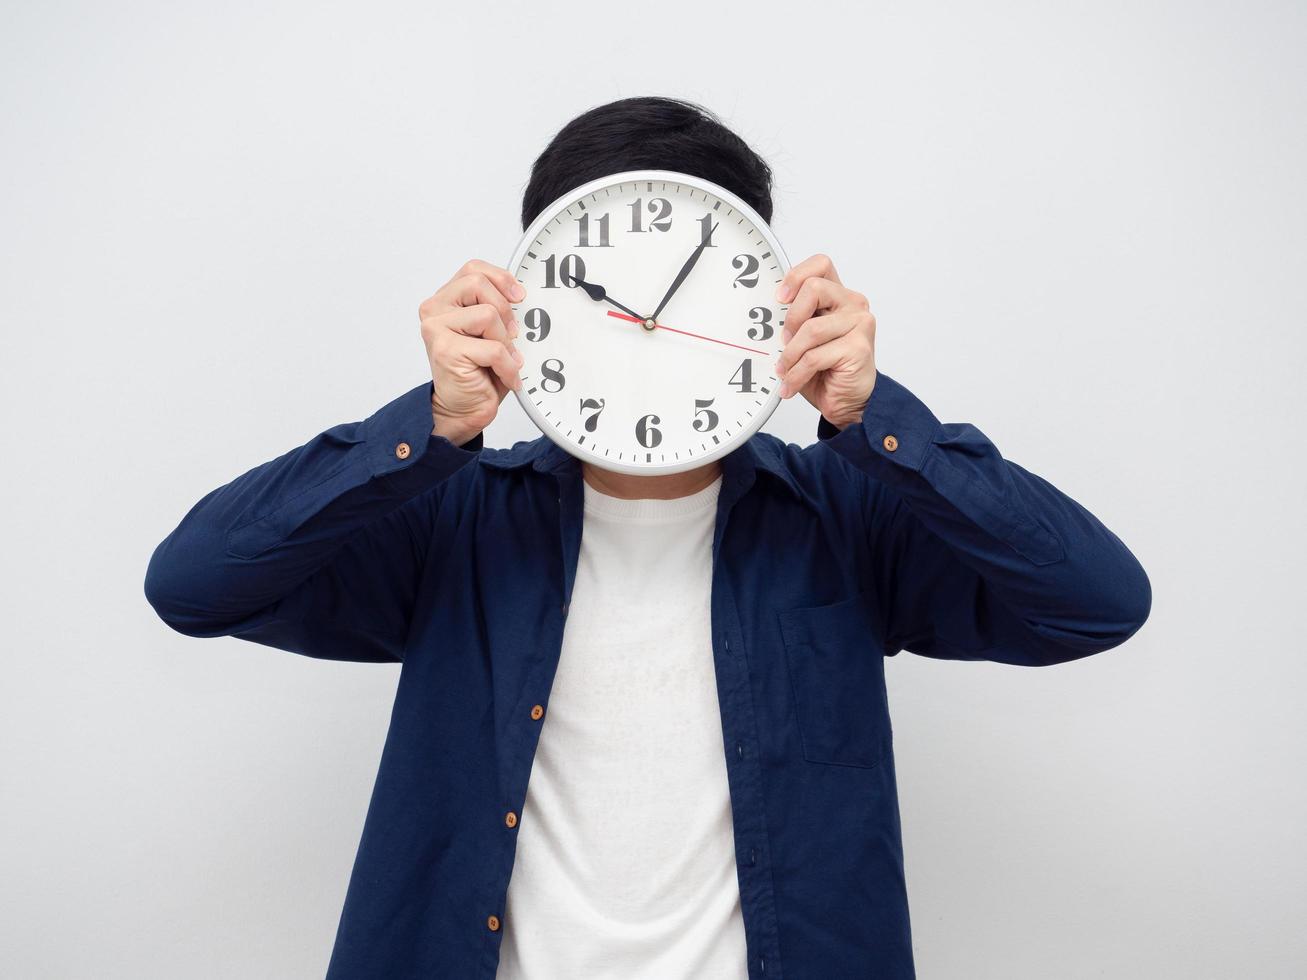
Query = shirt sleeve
x=318 y=551
x=974 y=557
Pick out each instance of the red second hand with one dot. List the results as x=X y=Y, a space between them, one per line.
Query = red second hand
x=623 y=316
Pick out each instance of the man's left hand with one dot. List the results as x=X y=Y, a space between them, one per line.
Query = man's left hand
x=830 y=341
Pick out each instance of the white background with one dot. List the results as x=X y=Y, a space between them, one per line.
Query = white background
x=1081 y=228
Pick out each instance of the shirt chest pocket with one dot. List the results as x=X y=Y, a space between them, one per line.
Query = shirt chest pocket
x=837 y=672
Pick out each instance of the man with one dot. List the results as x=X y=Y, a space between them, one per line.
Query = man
x=681 y=712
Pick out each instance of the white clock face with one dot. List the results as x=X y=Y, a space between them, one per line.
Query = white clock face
x=650 y=328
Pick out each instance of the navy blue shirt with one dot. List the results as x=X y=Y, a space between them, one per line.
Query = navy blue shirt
x=378 y=541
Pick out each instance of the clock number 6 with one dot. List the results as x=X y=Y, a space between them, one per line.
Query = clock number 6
x=645 y=433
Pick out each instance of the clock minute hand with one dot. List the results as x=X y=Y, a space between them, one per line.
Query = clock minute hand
x=685 y=271
x=600 y=295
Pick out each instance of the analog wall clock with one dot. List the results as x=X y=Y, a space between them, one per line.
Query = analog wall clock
x=650 y=328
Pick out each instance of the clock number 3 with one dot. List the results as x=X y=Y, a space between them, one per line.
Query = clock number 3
x=762 y=316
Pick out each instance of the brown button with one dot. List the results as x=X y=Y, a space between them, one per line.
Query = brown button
x=536 y=712
x=402 y=450
x=493 y=923
x=510 y=818
x=890 y=443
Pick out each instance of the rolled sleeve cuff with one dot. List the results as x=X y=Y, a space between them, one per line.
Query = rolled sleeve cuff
x=894 y=437
x=402 y=450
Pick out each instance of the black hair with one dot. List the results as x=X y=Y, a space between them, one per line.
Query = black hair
x=647 y=133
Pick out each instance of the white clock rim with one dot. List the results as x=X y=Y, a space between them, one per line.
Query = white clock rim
x=669 y=176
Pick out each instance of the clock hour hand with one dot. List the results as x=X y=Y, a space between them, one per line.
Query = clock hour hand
x=685 y=271
x=600 y=295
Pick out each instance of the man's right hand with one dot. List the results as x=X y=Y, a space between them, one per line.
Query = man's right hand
x=468 y=329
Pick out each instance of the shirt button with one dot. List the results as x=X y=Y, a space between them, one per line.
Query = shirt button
x=510 y=819
x=402 y=450
x=493 y=923
x=536 y=712
x=890 y=443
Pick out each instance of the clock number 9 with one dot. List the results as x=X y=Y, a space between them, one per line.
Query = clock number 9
x=748 y=265
x=538 y=320
x=570 y=269
x=645 y=433
x=709 y=421
x=763 y=330
x=551 y=373
x=662 y=221
x=592 y=422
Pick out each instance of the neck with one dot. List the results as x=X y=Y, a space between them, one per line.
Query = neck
x=666 y=487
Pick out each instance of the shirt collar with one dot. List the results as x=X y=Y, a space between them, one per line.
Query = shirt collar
x=738 y=466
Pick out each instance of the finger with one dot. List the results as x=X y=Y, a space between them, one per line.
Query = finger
x=815 y=360
x=473 y=289
x=482 y=320
x=499 y=359
x=816 y=331
x=504 y=280
x=814 y=295
x=818 y=265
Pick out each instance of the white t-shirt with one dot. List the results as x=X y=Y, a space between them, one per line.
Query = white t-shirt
x=625 y=863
